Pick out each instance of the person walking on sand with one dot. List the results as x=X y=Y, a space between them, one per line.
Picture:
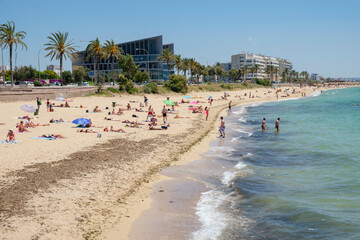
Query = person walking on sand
x=207 y=112
x=277 y=124
x=229 y=110
x=146 y=101
x=48 y=105
x=164 y=113
x=222 y=127
x=263 y=124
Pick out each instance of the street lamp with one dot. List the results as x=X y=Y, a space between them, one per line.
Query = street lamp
x=148 y=60
x=39 y=60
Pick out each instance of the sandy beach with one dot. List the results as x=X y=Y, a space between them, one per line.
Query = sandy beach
x=85 y=187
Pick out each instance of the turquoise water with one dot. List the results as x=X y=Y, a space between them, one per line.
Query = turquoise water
x=300 y=183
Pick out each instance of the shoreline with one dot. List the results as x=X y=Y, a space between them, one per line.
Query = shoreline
x=144 y=211
x=92 y=190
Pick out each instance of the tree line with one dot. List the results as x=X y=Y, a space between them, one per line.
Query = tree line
x=59 y=47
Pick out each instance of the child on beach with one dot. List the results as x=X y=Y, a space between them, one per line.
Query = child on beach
x=207 y=112
x=10 y=136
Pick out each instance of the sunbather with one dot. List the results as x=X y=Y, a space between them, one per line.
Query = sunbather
x=21 y=127
x=52 y=136
x=118 y=130
x=97 y=109
x=151 y=127
x=86 y=131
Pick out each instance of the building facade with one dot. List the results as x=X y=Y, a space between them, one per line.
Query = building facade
x=145 y=53
x=239 y=61
x=54 y=68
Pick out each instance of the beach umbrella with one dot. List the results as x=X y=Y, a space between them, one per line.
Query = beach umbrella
x=186 y=97
x=81 y=121
x=168 y=102
x=28 y=108
x=68 y=100
x=59 y=99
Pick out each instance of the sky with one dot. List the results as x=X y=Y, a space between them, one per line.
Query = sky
x=318 y=36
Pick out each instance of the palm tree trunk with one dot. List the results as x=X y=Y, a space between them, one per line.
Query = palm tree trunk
x=95 y=69
x=167 y=62
x=61 y=64
x=11 y=72
x=112 y=68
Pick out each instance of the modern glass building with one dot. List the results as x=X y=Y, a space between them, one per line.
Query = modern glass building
x=145 y=53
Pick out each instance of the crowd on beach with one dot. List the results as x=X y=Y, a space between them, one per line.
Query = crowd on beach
x=153 y=120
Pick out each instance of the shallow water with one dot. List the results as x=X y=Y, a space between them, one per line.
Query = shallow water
x=300 y=183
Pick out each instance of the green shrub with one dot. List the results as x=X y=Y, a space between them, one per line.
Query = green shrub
x=226 y=86
x=130 y=87
x=177 y=83
x=113 y=90
x=264 y=82
x=37 y=83
x=151 y=87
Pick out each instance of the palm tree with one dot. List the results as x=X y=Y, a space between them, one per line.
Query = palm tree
x=8 y=38
x=185 y=65
x=167 y=56
x=244 y=71
x=94 y=49
x=285 y=74
x=59 y=47
x=112 y=51
x=256 y=68
x=219 y=70
x=177 y=59
x=252 y=71
x=192 y=67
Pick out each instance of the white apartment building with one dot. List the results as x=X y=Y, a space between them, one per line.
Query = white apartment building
x=54 y=68
x=238 y=61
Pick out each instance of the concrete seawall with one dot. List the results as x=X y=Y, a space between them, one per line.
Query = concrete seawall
x=8 y=94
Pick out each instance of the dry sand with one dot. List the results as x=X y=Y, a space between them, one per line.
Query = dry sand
x=84 y=187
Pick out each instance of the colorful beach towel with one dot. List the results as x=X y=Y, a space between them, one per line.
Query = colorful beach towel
x=43 y=138
x=9 y=142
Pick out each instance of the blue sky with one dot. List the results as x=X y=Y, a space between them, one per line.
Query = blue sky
x=321 y=36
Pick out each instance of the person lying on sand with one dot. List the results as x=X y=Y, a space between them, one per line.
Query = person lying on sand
x=139 y=110
x=56 y=121
x=151 y=127
x=2 y=123
x=10 y=136
x=118 y=130
x=86 y=131
x=52 y=136
x=97 y=109
x=177 y=116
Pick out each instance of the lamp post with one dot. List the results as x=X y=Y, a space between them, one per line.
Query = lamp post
x=39 y=60
x=148 y=60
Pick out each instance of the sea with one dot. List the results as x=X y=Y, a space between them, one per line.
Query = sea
x=302 y=182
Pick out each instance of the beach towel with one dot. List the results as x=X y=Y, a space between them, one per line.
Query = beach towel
x=9 y=142
x=43 y=138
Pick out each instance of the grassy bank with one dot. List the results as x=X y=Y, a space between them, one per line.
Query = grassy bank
x=214 y=87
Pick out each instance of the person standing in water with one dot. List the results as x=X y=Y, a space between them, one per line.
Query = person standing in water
x=277 y=124
x=229 y=111
x=222 y=127
x=263 y=124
